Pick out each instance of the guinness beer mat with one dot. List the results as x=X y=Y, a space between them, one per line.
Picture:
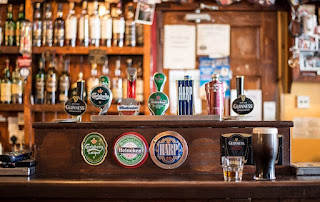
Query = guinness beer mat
x=94 y=148
x=130 y=150
x=168 y=150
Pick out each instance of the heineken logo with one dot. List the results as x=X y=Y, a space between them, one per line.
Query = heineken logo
x=75 y=106
x=100 y=96
x=168 y=150
x=158 y=103
x=130 y=150
x=94 y=148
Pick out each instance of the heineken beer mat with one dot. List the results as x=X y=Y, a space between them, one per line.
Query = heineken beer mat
x=168 y=150
x=94 y=148
x=130 y=150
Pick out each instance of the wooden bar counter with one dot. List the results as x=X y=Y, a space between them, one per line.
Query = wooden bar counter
x=62 y=173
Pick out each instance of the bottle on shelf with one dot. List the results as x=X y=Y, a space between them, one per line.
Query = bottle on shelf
x=17 y=86
x=40 y=83
x=64 y=83
x=71 y=26
x=51 y=84
x=5 y=90
x=47 y=38
x=105 y=68
x=117 y=83
x=83 y=32
x=106 y=27
x=139 y=85
x=21 y=18
x=37 y=26
x=1 y=31
x=59 y=28
x=95 y=25
x=130 y=32
x=9 y=28
x=139 y=34
x=118 y=24
x=93 y=80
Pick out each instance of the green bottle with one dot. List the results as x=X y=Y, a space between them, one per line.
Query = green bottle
x=21 y=18
x=40 y=83
x=9 y=28
x=17 y=86
x=6 y=85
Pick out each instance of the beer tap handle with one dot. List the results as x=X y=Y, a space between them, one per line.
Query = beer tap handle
x=240 y=85
x=159 y=80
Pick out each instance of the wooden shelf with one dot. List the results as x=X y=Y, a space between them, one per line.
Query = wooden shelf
x=11 y=108
x=9 y=49
x=60 y=108
x=80 y=50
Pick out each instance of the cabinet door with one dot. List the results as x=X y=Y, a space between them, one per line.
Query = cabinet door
x=253 y=46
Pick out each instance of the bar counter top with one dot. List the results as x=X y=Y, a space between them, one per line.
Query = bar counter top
x=161 y=187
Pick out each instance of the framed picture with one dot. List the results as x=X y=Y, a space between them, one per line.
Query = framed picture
x=307 y=43
x=309 y=62
x=145 y=12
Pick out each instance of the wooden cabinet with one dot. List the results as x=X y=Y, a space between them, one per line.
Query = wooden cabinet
x=79 y=61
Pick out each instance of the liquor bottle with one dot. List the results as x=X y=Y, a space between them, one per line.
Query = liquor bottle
x=9 y=28
x=105 y=68
x=139 y=85
x=51 y=84
x=117 y=83
x=71 y=26
x=95 y=26
x=21 y=18
x=125 y=80
x=40 y=83
x=64 y=83
x=118 y=25
x=93 y=80
x=83 y=33
x=106 y=27
x=37 y=26
x=130 y=32
x=6 y=85
x=47 y=38
x=59 y=28
x=139 y=34
x=17 y=86
x=1 y=31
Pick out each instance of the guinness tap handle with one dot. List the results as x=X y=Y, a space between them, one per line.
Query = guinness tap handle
x=240 y=85
x=80 y=88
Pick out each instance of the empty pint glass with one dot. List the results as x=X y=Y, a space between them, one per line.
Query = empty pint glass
x=265 y=149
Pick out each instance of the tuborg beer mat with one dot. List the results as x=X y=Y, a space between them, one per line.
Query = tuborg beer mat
x=94 y=148
x=130 y=150
x=168 y=150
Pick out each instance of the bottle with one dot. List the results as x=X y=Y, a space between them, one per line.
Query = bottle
x=40 y=83
x=64 y=83
x=6 y=84
x=21 y=18
x=93 y=80
x=117 y=83
x=71 y=26
x=37 y=26
x=47 y=39
x=105 y=68
x=51 y=84
x=9 y=28
x=139 y=85
x=139 y=34
x=95 y=26
x=118 y=26
x=59 y=28
x=1 y=31
x=83 y=33
x=215 y=96
x=106 y=27
x=17 y=86
x=130 y=32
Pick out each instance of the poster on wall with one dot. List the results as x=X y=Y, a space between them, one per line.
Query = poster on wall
x=213 y=40
x=179 y=47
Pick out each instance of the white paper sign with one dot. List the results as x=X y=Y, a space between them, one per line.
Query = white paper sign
x=256 y=97
x=179 y=47
x=213 y=40
x=175 y=75
x=269 y=111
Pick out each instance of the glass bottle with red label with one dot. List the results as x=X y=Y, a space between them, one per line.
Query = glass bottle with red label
x=215 y=96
